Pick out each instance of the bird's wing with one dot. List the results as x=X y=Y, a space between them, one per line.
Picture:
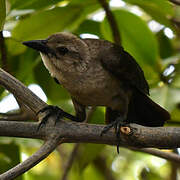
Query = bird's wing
x=124 y=67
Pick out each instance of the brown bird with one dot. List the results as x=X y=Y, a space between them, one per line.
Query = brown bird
x=99 y=73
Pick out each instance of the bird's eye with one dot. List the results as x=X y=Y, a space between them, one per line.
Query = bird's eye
x=62 y=50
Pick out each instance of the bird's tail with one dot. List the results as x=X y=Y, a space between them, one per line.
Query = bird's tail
x=143 y=111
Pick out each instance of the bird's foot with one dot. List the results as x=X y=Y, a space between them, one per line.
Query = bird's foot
x=53 y=110
x=117 y=124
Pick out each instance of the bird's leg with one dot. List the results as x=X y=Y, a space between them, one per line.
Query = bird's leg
x=116 y=115
x=117 y=124
x=54 y=110
x=80 y=110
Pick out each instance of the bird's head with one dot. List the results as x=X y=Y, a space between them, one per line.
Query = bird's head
x=63 y=51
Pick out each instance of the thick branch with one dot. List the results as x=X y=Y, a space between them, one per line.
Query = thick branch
x=21 y=129
x=112 y=22
x=73 y=132
x=21 y=92
x=163 y=137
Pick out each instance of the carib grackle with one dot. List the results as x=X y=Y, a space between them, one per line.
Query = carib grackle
x=99 y=73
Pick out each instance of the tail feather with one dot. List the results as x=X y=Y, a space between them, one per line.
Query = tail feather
x=144 y=111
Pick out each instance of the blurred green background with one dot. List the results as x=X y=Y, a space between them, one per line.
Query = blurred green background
x=150 y=32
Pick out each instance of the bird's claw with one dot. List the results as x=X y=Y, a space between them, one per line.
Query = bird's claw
x=51 y=110
x=117 y=124
x=54 y=110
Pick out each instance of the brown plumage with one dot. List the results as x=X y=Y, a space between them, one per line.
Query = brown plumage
x=100 y=73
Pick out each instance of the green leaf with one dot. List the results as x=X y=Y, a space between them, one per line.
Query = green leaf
x=13 y=47
x=2 y=13
x=176 y=81
x=26 y=62
x=54 y=92
x=176 y=113
x=9 y=157
x=21 y=65
x=160 y=10
x=98 y=116
x=167 y=97
x=42 y=24
x=88 y=152
x=137 y=39
x=149 y=174
x=176 y=75
x=32 y=4
x=165 y=45
x=89 y=6
x=92 y=172
x=1 y=91
x=89 y=26
x=82 y=2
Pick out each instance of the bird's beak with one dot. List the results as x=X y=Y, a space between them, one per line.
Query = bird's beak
x=39 y=45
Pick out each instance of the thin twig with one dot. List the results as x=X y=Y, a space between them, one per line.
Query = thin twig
x=89 y=114
x=14 y=117
x=176 y=21
x=166 y=155
x=174 y=168
x=177 y=2
x=75 y=149
x=173 y=122
x=26 y=111
x=70 y=162
x=112 y=22
x=22 y=114
x=41 y=154
x=100 y=163
x=3 y=52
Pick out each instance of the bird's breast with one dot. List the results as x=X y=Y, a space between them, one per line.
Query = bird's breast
x=94 y=87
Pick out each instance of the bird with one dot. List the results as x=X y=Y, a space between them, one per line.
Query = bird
x=97 y=72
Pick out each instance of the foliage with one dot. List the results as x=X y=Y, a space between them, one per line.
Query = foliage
x=156 y=51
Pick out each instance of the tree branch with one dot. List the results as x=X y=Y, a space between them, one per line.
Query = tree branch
x=100 y=163
x=166 y=155
x=70 y=161
x=42 y=153
x=177 y=2
x=75 y=148
x=21 y=92
x=3 y=52
x=112 y=22
x=72 y=132
x=18 y=116
x=13 y=116
x=162 y=137
x=174 y=168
